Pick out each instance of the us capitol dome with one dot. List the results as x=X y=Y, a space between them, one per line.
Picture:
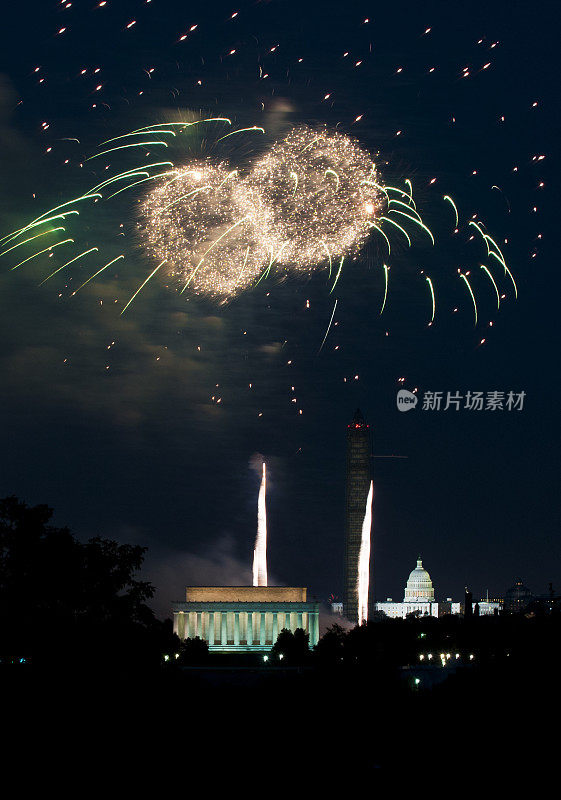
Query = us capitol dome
x=419 y=588
x=419 y=598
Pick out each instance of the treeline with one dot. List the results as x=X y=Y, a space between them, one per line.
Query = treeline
x=66 y=603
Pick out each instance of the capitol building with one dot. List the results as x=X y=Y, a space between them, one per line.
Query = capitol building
x=419 y=597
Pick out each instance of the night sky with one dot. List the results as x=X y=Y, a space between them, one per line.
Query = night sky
x=115 y=421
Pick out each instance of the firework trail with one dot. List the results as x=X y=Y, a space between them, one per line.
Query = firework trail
x=260 y=550
x=328 y=327
x=364 y=560
x=470 y=290
x=431 y=287
x=385 y=288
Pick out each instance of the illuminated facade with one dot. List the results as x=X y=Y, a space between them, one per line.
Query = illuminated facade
x=419 y=586
x=419 y=598
x=244 y=618
x=487 y=608
x=358 y=485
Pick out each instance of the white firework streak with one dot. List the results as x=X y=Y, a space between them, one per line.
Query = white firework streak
x=260 y=550
x=364 y=560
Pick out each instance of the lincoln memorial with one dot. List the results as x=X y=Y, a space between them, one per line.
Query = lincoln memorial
x=244 y=618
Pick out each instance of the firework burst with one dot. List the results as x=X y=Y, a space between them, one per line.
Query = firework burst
x=311 y=202
x=320 y=192
x=195 y=223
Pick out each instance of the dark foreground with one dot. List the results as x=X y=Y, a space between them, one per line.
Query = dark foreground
x=363 y=704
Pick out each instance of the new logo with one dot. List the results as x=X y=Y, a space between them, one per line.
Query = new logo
x=406 y=400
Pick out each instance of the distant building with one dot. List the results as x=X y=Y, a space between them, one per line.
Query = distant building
x=358 y=484
x=517 y=598
x=448 y=606
x=487 y=608
x=549 y=603
x=244 y=618
x=419 y=598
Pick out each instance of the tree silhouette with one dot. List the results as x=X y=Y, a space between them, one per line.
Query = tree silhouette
x=330 y=648
x=293 y=647
x=193 y=652
x=60 y=597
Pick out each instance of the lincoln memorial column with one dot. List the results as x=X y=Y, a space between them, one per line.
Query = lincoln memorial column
x=224 y=629
x=250 y=627
x=211 y=628
x=262 y=627
x=313 y=622
x=237 y=627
